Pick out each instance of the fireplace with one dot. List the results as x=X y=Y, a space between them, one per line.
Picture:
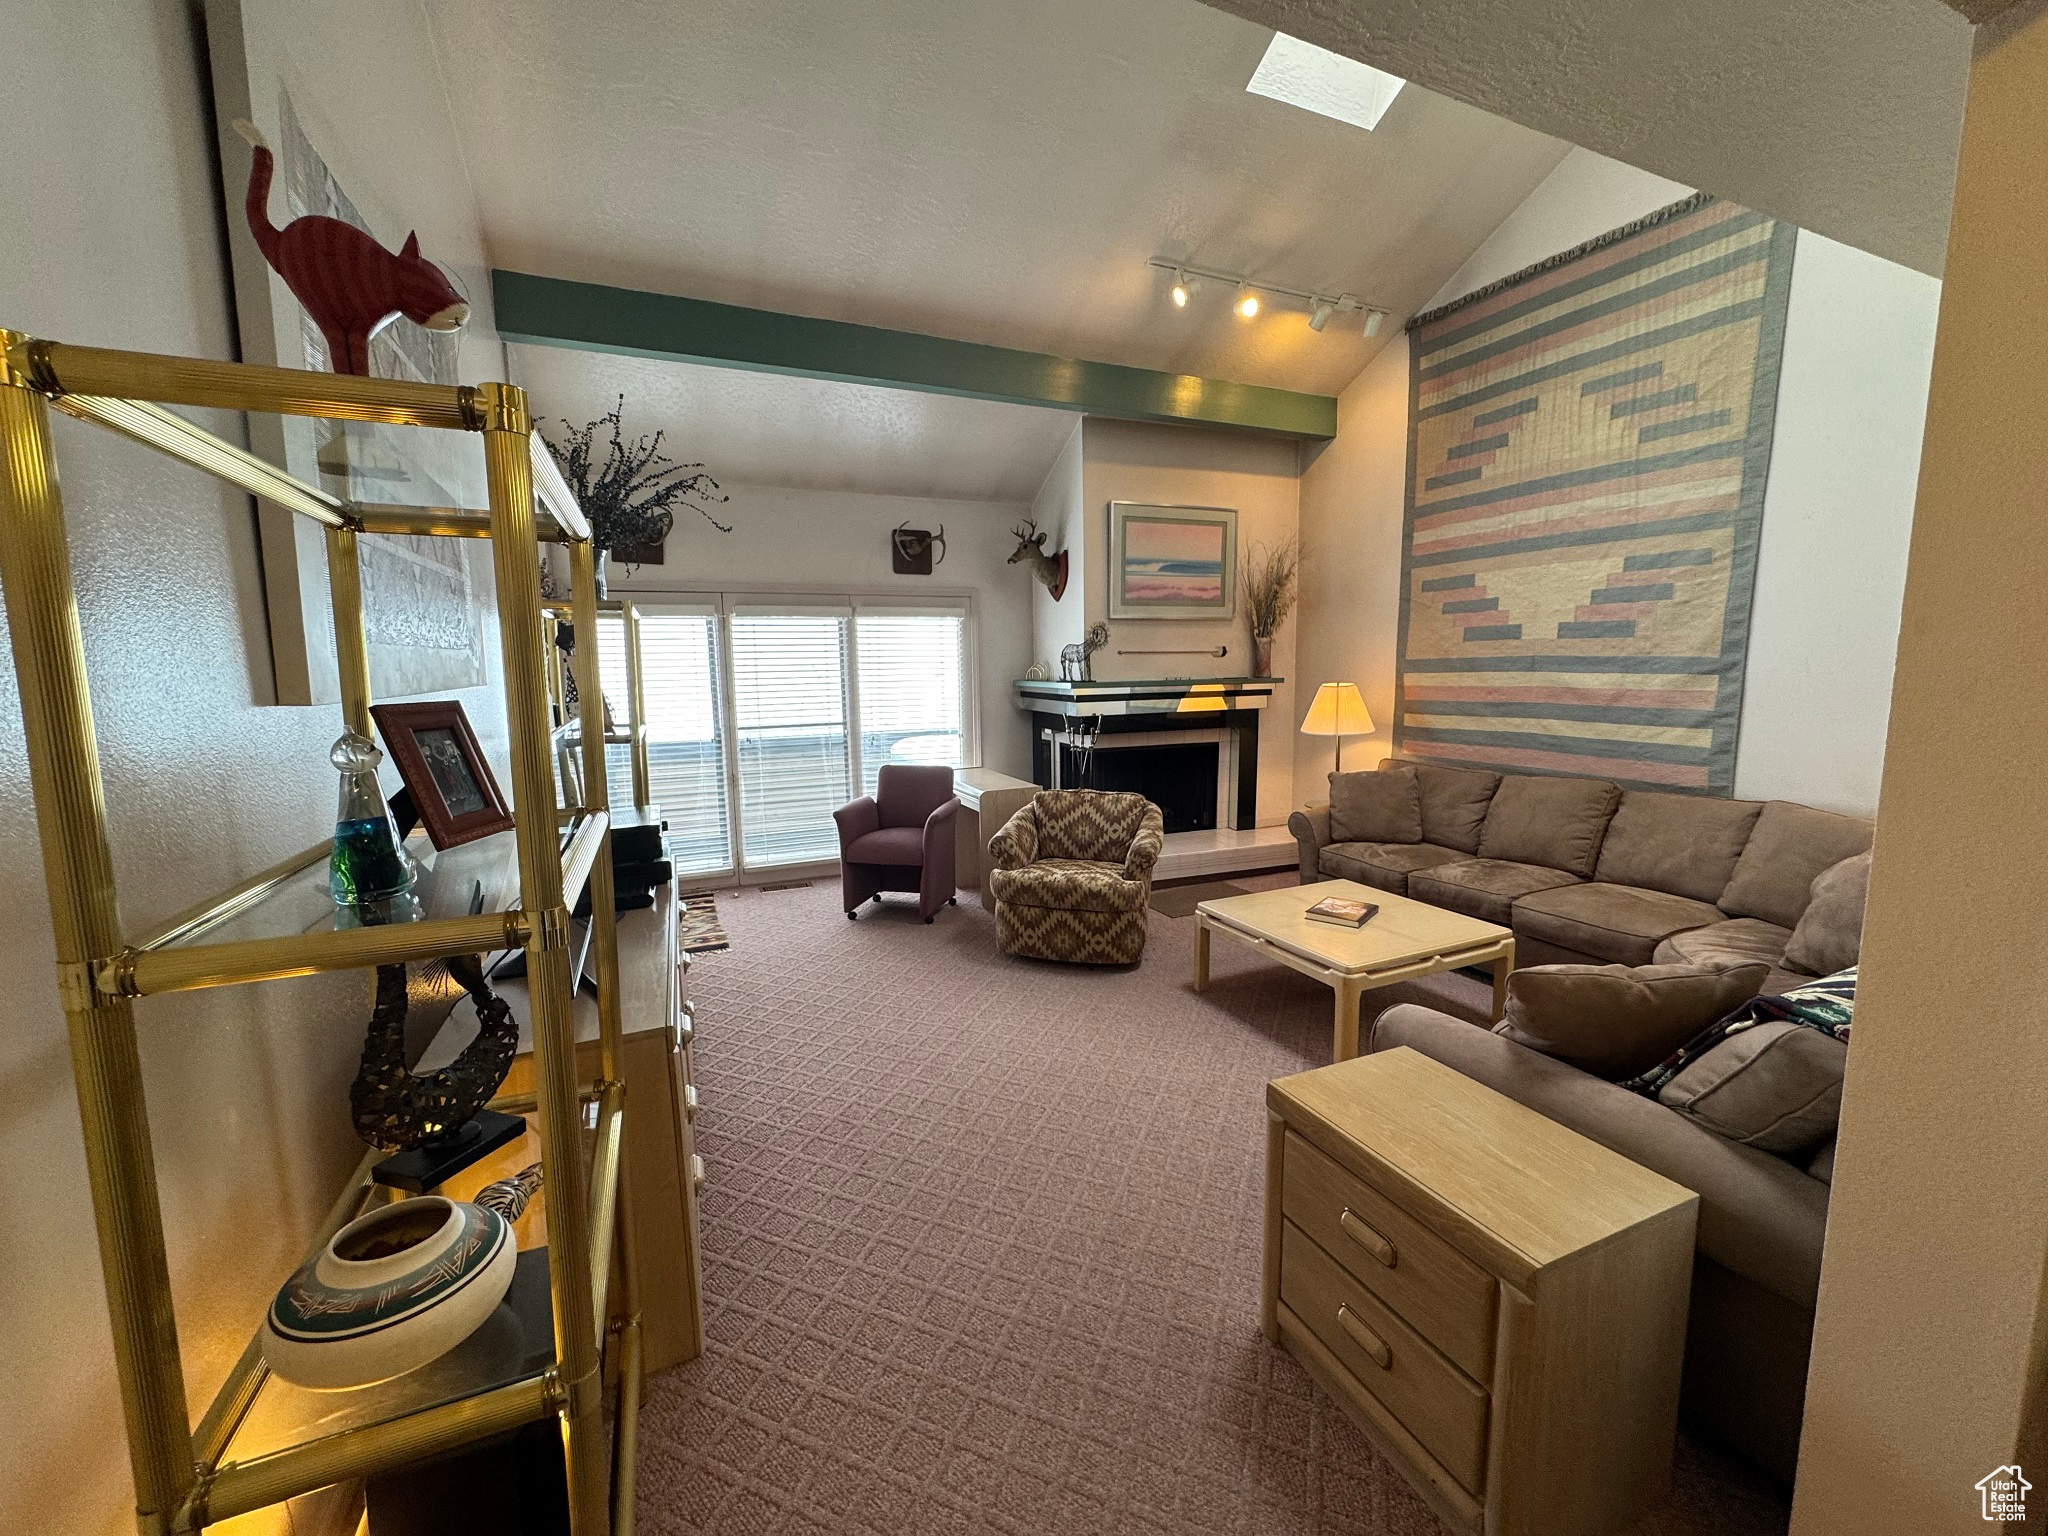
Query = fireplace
x=1189 y=746
x=1179 y=778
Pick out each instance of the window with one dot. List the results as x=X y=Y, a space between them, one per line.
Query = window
x=790 y=731
x=762 y=718
x=910 y=693
x=685 y=730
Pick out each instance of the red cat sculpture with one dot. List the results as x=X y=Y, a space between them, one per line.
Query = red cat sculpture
x=350 y=285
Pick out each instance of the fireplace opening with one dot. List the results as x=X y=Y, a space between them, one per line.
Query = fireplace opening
x=1180 y=780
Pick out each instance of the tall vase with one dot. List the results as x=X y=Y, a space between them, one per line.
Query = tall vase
x=1262 y=655
x=597 y=565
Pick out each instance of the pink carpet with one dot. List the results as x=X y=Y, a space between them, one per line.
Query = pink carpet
x=981 y=1249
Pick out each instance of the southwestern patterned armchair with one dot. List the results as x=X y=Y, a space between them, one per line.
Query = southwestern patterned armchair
x=1073 y=874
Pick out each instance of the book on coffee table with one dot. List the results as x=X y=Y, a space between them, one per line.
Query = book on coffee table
x=1342 y=911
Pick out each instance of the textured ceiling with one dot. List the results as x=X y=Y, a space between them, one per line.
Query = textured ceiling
x=987 y=171
x=1842 y=116
x=814 y=434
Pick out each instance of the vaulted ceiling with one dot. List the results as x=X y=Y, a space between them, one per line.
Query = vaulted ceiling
x=990 y=172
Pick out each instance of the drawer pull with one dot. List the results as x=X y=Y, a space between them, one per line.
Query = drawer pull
x=1366 y=1238
x=696 y=1173
x=686 y=1028
x=689 y=1101
x=1366 y=1339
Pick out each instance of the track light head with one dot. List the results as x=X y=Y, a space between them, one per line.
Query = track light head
x=1373 y=317
x=1247 y=303
x=1184 y=288
x=1319 y=313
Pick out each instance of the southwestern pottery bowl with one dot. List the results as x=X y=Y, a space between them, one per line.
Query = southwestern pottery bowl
x=393 y=1289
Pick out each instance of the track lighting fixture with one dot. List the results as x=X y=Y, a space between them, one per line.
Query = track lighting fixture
x=1251 y=301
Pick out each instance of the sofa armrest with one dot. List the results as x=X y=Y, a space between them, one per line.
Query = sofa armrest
x=1016 y=841
x=857 y=820
x=1145 y=847
x=1311 y=829
x=1760 y=1216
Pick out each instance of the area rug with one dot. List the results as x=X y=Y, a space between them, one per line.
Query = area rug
x=981 y=1251
x=698 y=929
x=1589 y=442
x=1181 y=900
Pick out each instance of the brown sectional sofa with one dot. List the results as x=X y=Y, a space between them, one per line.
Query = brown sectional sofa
x=1588 y=873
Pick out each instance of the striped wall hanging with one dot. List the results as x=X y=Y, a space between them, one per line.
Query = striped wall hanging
x=1588 y=445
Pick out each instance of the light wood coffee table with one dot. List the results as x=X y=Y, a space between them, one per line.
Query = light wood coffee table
x=1406 y=939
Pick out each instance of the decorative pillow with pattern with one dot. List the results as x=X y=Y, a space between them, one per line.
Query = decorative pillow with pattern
x=1828 y=1005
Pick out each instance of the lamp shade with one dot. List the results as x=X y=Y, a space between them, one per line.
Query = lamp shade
x=1337 y=710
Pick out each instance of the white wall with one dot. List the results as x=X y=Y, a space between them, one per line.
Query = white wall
x=790 y=540
x=1184 y=466
x=1058 y=512
x=1853 y=389
x=114 y=236
x=1838 y=514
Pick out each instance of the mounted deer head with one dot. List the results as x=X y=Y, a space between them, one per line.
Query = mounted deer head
x=1050 y=569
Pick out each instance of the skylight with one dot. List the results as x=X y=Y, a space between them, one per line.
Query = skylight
x=1303 y=75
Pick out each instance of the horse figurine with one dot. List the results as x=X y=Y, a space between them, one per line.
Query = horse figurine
x=1050 y=569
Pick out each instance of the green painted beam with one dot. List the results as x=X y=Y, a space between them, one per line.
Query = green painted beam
x=553 y=312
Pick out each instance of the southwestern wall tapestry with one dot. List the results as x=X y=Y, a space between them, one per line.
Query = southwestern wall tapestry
x=1588 y=446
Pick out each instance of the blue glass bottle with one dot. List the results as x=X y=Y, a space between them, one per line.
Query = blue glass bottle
x=367 y=864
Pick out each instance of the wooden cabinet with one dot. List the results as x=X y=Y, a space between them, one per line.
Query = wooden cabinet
x=1498 y=1302
x=663 y=1171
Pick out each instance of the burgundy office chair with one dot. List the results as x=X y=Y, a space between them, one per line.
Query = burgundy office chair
x=901 y=840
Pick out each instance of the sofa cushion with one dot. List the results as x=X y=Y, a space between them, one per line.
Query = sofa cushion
x=1738 y=939
x=1454 y=802
x=1760 y=1216
x=1385 y=866
x=1483 y=888
x=1621 y=923
x=1822 y=1164
x=1830 y=932
x=1557 y=823
x=1789 y=847
x=1618 y=1021
x=1775 y=1086
x=1072 y=885
x=1381 y=807
x=889 y=845
x=1684 y=844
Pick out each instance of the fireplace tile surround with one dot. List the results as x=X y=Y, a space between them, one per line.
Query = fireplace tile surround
x=1158 y=722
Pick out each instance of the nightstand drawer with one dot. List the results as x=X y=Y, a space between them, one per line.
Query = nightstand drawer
x=1387 y=1359
x=1448 y=1298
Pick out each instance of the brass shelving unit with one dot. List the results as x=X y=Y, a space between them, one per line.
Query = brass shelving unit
x=633 y=734
x=188 y=1476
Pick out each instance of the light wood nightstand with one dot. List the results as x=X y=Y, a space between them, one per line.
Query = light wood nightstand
x=1498 y=1302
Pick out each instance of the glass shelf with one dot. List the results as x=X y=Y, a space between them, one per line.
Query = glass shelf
x=515 y=1343
x=482 y=876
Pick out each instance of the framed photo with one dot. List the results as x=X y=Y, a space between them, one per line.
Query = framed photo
x=1172 y=562
x=444 y=770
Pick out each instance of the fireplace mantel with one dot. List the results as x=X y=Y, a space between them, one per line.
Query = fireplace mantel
x=1146 y=696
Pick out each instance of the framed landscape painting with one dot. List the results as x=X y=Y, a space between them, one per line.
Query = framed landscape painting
x=1172 y=562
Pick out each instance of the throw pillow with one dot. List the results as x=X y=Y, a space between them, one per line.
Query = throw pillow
x=1616 y=1021
x=1827 y=1004
x=1382 y=807
x=1830 y=931
x=1775 y=1086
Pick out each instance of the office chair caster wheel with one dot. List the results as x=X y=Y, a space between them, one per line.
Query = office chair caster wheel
x=933 y=918
x=853 y=917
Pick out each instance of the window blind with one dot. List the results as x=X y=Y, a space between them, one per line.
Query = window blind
x=790 y=713
x=909 y=673
x=685 y=731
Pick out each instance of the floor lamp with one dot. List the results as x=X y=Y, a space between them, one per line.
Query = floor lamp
x=1337 y=710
